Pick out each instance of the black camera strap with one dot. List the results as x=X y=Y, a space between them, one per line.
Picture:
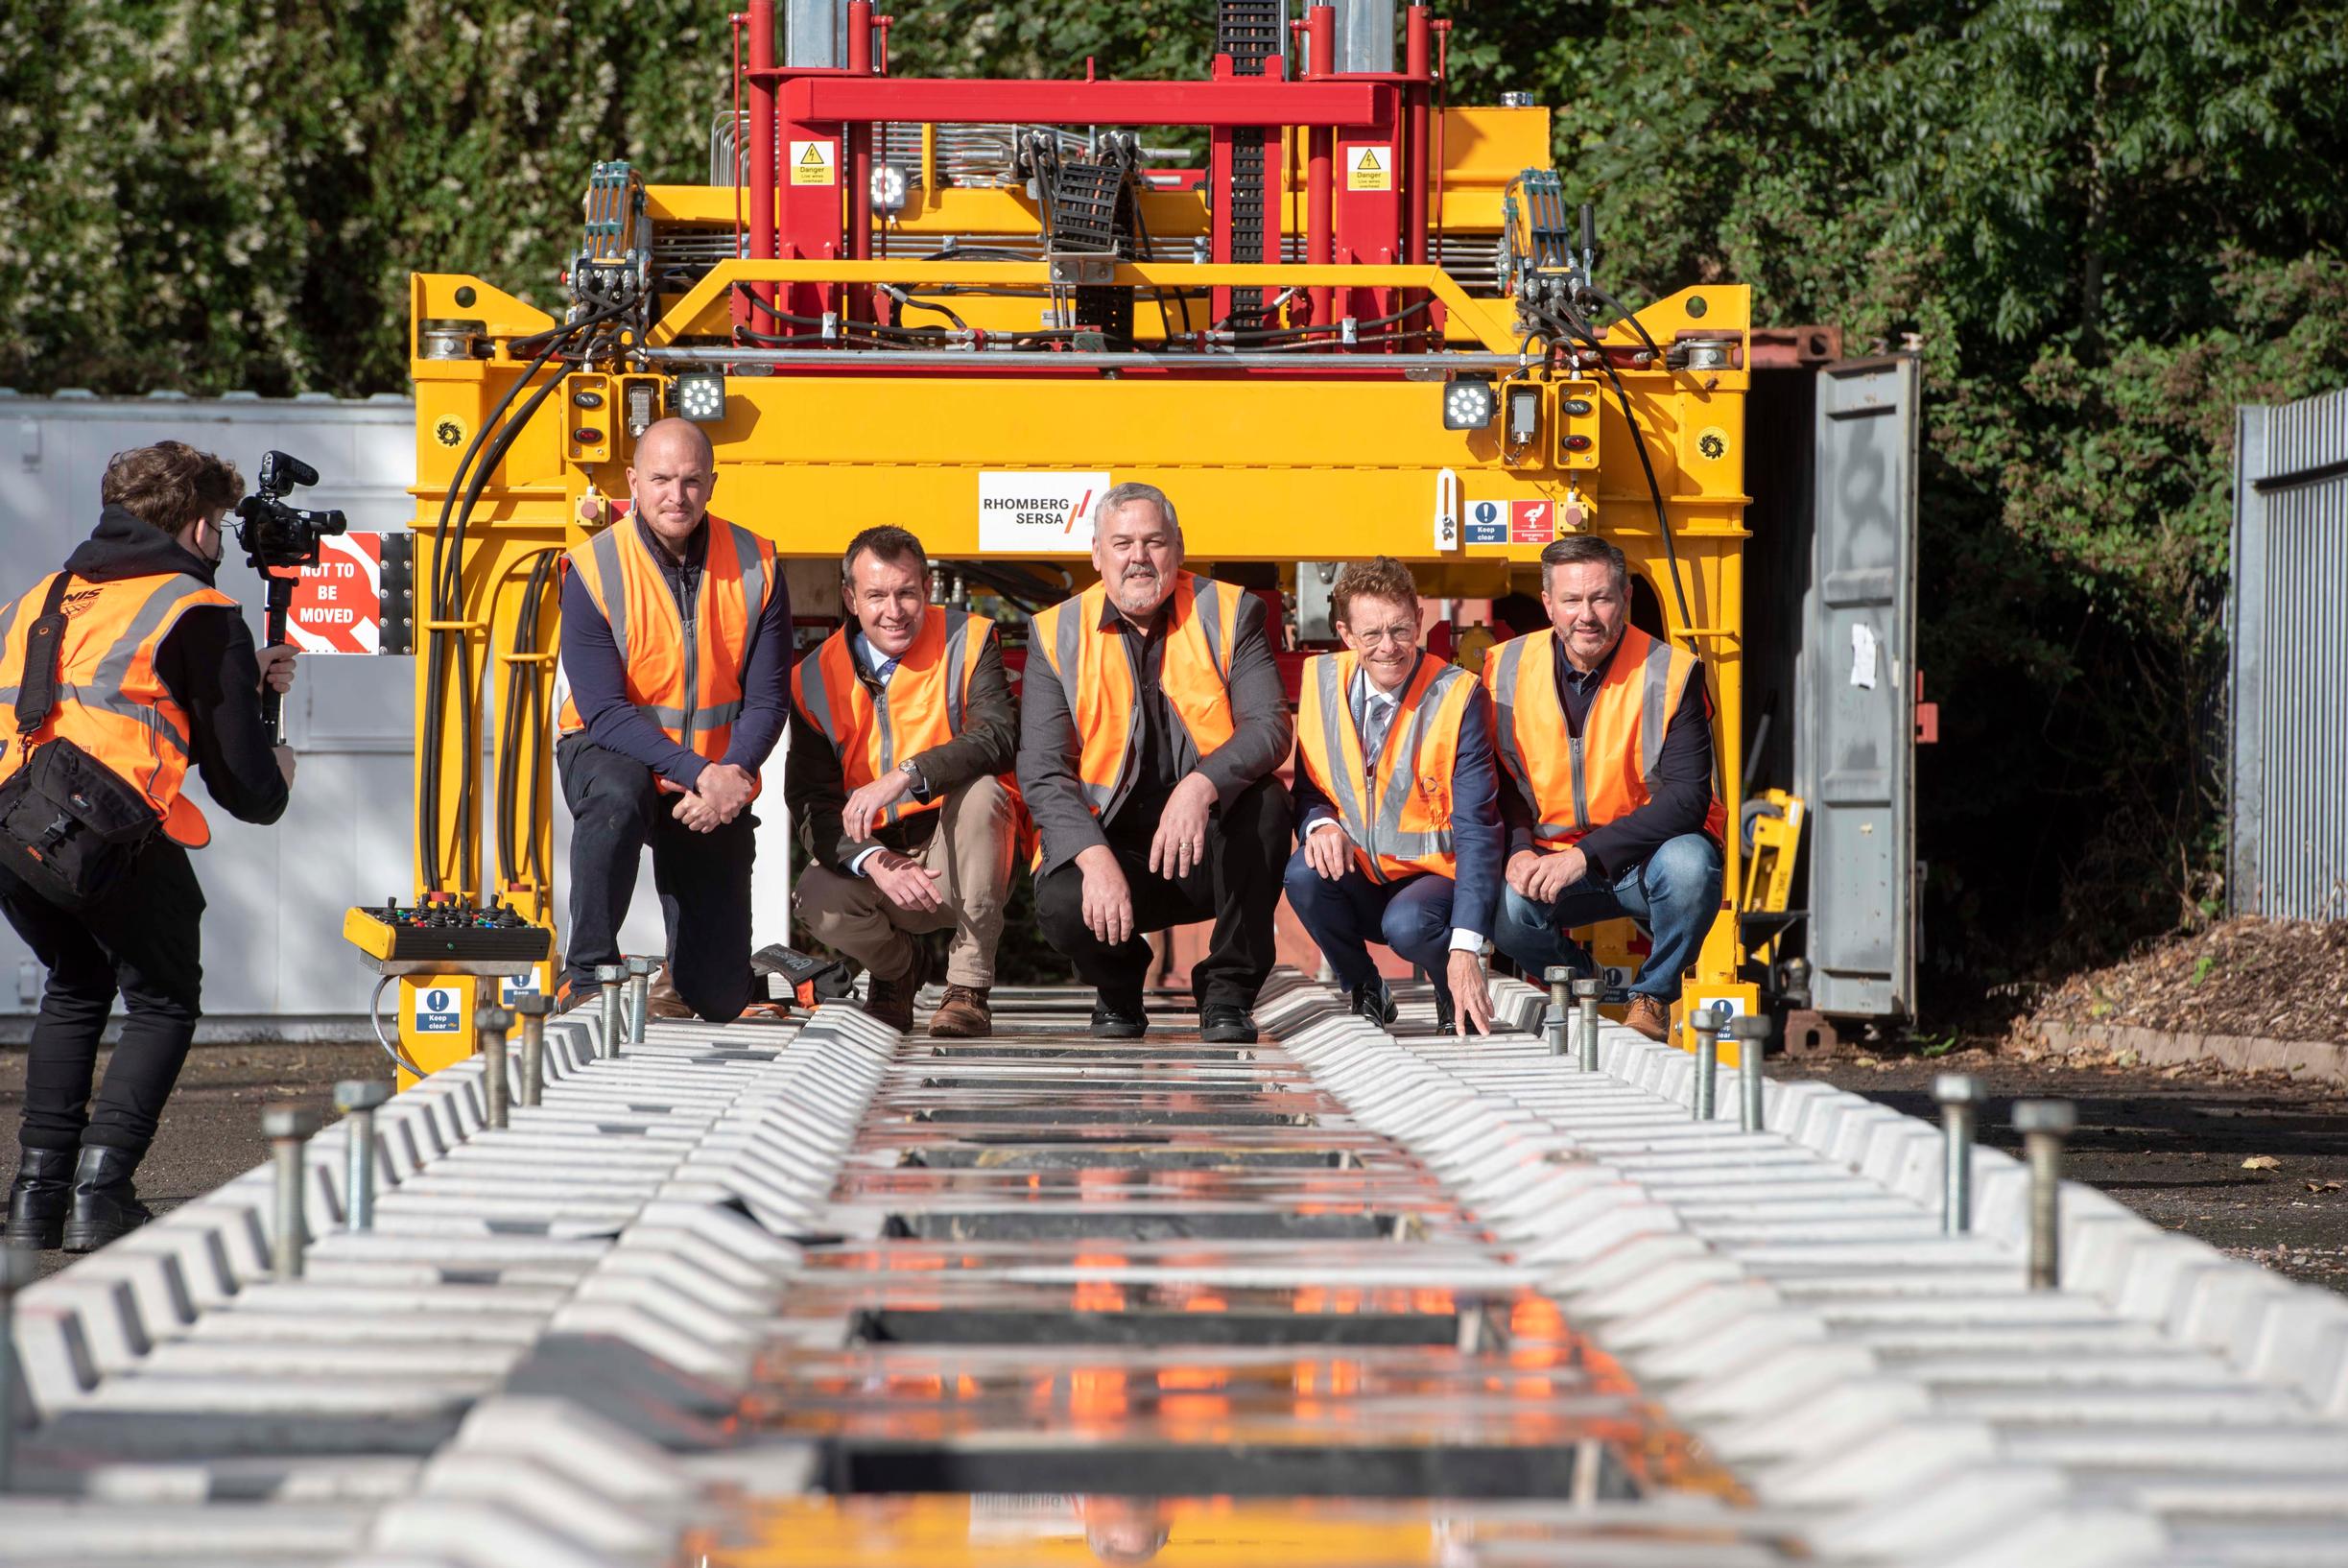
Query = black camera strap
x=44 y=656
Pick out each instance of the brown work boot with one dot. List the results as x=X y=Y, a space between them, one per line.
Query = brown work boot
x=892 y=1000
x=661 y=1000
x=1648 y=1015
x=964 y=1014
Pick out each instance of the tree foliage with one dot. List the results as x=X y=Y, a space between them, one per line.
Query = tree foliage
x=2107 y=222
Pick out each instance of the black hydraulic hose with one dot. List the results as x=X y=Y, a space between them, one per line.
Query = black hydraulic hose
x=1616 y=306
x=524 y=714
x=448 y=582
x=1575 y=326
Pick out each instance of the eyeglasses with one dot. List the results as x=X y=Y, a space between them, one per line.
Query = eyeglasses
x=1376 y=637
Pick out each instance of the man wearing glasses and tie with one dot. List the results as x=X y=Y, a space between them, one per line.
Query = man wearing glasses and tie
x=1398 y=810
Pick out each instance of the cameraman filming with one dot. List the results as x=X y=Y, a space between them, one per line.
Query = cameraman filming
x=156 y=671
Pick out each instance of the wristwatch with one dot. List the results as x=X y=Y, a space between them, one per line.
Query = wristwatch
x=912 y=769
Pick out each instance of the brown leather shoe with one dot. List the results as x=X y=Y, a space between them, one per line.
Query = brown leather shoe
x=892 y=1000
x=1648 y=1015
x=661 y=1001
x=964 y=1014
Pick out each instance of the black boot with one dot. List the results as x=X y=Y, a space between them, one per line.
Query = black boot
x=104 y=1207
x=36 y=1202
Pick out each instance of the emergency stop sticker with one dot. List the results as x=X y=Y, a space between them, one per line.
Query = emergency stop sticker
x=811 y=163
x=1369 y=166
x=1532 y=522
x=337 y=603
x=1038 y=513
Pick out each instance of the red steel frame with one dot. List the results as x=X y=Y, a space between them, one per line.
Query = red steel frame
x=840 y=110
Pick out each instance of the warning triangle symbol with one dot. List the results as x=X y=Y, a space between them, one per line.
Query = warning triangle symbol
x=1369 y=164
x=813 y=156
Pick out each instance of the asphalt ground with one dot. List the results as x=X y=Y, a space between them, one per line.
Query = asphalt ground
x=2170 y=1144
x=2253 y=1163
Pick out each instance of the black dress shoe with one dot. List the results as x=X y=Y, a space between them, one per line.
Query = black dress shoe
x=1119 y=1020
x=1371 y=1000
x=1226 y=1023
x=36 y=1201
x=105 y=1206
x=1446 y=1018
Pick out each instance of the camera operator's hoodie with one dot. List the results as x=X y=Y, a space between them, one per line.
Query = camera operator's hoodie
x=207 y=661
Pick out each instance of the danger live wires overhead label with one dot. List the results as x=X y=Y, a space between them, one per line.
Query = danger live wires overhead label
x=1031 y=513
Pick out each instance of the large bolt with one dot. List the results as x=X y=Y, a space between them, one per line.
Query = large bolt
x=2043 y=1125
x=1586 y=992
x=489 y=1026
x=639 y=996
x=611 y=976
x=1704 y=1023
x=1960 y=1095
x=357 y=1099
x=287 y=1127
x=17 y=1267
x=533 y=1008
x=1752 y=1037
x=1560 y=1006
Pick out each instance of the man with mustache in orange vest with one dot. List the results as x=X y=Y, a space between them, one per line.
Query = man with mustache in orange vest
x=904 y=723
x=154 y=673
x=1152 y=722
x=1397 y=807
x=676 y=660
x=1606 y=749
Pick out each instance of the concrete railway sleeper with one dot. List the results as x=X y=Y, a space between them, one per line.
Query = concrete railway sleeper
x=812 y=1293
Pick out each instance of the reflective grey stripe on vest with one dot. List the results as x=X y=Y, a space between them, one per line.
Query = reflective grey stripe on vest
x=958 y=639
x=169 y=598
x=1503 y=698
x=1065 y=651
x=753 y=571
x=1206 y=602
x=1347 y=788
x=709 y=718
x=1654 y=699
x=605 y=549
x=814 y=698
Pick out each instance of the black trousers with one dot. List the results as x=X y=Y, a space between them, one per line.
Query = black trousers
x=704 y=879
x=1237 y=887
x=144 y=943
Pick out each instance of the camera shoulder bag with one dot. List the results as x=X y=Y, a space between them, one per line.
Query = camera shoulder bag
x=70 y=826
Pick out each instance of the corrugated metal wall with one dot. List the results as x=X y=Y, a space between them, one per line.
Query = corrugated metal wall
x=2287 y=848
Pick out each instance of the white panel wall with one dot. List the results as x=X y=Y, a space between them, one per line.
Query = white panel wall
x=275 y=959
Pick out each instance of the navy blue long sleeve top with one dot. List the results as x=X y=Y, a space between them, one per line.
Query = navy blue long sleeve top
x=598 y=682
x=1479 y=839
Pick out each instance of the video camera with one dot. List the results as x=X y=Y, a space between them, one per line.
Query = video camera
x=275 y=534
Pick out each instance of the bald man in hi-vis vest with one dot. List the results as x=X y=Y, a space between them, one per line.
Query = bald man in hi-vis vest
x=677 y=677
x=1609 y=786
x=1151 y=724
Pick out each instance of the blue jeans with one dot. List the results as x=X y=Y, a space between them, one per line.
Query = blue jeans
x=1411 y=917
x=1675 y=894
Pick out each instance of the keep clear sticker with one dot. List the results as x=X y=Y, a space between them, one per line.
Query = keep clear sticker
x=438 y=1007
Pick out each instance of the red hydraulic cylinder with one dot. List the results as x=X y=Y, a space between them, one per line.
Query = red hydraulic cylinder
x=763 y=191
x=1321 y=187
x=859 y=150
x=1420 y=68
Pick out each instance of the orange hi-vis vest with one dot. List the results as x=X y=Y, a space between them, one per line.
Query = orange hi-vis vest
x=919 y=708
x=684 y=676
x=1104 y=690
x=1578 y=782
x=110 y=702
x=1398 y=815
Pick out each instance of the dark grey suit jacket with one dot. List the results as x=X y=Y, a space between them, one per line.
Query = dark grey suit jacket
x=1049 y=747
